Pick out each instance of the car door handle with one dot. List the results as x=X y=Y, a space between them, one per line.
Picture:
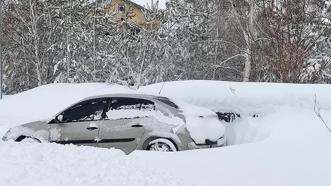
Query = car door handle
x=92 y=128
x=136 y=125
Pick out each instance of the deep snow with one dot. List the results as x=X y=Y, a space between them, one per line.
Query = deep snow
x=286 y=145
x=243 y=97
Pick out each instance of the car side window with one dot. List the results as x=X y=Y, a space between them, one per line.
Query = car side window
x=131 y=104
x=124 y=108
x=90 y=110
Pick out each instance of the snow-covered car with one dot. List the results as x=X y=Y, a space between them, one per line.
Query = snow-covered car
x=128 y=122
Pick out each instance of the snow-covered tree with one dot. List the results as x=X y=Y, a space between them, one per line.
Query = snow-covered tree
x=237 y=40
x=295 y=29
x=31 y=46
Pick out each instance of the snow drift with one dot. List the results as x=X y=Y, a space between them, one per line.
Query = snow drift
x=243 y=97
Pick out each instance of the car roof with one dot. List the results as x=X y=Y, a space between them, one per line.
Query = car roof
x=129 y=95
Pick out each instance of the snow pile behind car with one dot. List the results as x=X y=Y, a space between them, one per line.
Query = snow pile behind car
x=246 y=101
x=243 y=97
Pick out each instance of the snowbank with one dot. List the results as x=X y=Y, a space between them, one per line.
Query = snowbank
x=246 y=99
x=243 y=97
x=52 y=164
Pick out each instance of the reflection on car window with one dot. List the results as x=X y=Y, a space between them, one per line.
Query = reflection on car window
x=131 y=104
x=91 y=110
x=128 y=108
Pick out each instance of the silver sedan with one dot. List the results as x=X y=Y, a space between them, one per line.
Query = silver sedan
x=128 y=122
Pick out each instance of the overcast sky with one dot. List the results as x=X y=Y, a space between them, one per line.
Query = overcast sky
x=144 y=2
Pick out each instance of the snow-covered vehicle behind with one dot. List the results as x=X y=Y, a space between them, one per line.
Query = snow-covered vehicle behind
x=128 y=122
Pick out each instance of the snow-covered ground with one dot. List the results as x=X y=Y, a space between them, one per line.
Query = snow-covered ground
x=286 y=145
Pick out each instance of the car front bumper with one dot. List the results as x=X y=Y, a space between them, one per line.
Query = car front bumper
x=219 y=143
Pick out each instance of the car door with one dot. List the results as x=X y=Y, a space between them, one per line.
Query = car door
x=125 y=123
x=80 y=124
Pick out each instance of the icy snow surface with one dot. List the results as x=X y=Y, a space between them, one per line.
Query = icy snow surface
x=287 y=145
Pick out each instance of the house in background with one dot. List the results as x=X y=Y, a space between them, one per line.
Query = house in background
x=132 y=16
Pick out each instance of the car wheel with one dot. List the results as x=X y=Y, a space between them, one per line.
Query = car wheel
x=161 y=144
x=30 y=140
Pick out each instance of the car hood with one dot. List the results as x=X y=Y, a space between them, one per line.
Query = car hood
x=36 y=129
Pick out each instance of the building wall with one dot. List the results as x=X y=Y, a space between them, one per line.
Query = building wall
x=126 y=11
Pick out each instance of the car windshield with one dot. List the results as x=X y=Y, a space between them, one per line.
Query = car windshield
x=167 y=101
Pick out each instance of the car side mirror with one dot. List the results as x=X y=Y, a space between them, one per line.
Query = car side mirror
x=59 y=118
x=56 y=119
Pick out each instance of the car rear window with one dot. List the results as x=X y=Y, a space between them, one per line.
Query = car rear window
x=167 y=101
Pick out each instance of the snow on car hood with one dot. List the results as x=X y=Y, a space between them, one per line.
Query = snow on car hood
x=201 y=123
x=36 y=129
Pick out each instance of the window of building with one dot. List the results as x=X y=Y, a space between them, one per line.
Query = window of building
x=121 y=8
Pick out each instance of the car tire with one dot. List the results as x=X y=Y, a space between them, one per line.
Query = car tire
x=162 y=145
x=28 y=139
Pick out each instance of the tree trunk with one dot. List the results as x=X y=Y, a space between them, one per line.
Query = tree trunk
x=248 y=65
x=1 y=50
x=250 y=34
x=69 y=42
x=219 y=14
x=34 y=26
